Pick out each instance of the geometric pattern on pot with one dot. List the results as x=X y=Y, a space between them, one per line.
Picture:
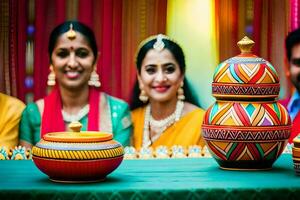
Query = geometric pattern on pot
x=230 y=90
x=246 y=114
x=246 y=76
x=235 y=151
x=78 y=154
x=78 y=146
x=249 y=70
x=245 y=134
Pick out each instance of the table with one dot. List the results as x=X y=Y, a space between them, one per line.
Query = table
x=188 y=178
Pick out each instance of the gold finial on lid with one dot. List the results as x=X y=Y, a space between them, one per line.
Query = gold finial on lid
x=71 y=34
x=75 y=126
x=245 y=45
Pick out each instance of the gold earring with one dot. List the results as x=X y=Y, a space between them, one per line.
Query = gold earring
x=51 y=77
x=143 y=96
x=180 y=92
x=94 y=79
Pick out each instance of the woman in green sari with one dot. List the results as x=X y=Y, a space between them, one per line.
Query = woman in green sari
x=75 y=96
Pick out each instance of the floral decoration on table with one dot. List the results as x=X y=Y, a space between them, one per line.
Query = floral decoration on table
x=17 y=153
x=163 y=152
x=160 y=152
x=4 y=153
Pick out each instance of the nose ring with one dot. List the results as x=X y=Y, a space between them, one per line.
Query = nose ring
x=165 y=79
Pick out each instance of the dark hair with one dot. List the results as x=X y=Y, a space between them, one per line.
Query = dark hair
x=291 y=40
x=77 y=26
x=178 y=54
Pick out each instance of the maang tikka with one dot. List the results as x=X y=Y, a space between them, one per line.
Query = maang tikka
x=159 y=44
x=71 y=34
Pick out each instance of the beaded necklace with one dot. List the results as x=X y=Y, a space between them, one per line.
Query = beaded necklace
x=159 y=126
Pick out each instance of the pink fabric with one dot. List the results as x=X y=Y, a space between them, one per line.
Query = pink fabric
x=52 y=119
x=117 y=50
x=60 y=13
x=48 y=15
x=106 y=47
x=294 y=6
x=41 y=60
x=17 y=42
x=85 y=13
x=110 y=47
x=21 y=41
x=107 y=25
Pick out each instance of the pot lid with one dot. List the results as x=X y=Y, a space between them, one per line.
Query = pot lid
x=78 y=136
x=245 y=76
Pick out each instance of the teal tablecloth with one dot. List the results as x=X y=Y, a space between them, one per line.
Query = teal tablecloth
x=156 y=179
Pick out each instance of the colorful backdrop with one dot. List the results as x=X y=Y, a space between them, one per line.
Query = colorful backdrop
x=207 y=30
x=191 y=23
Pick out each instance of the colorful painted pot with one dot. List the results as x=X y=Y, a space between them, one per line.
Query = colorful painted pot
x=296 y=154
x=77 y=156
x=246 y=128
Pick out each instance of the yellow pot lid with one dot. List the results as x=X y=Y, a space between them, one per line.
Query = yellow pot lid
x=84 y=136
x=78 y=136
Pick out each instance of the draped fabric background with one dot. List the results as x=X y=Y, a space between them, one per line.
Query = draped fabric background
x=12 y=44
x=270 y=32
x=47 y=15
x=4 y=47
x=140 y=19
x=120 y=25
x=267 y=22
x=226 y=27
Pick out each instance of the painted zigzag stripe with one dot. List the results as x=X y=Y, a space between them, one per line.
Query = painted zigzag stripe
x=245 y=135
